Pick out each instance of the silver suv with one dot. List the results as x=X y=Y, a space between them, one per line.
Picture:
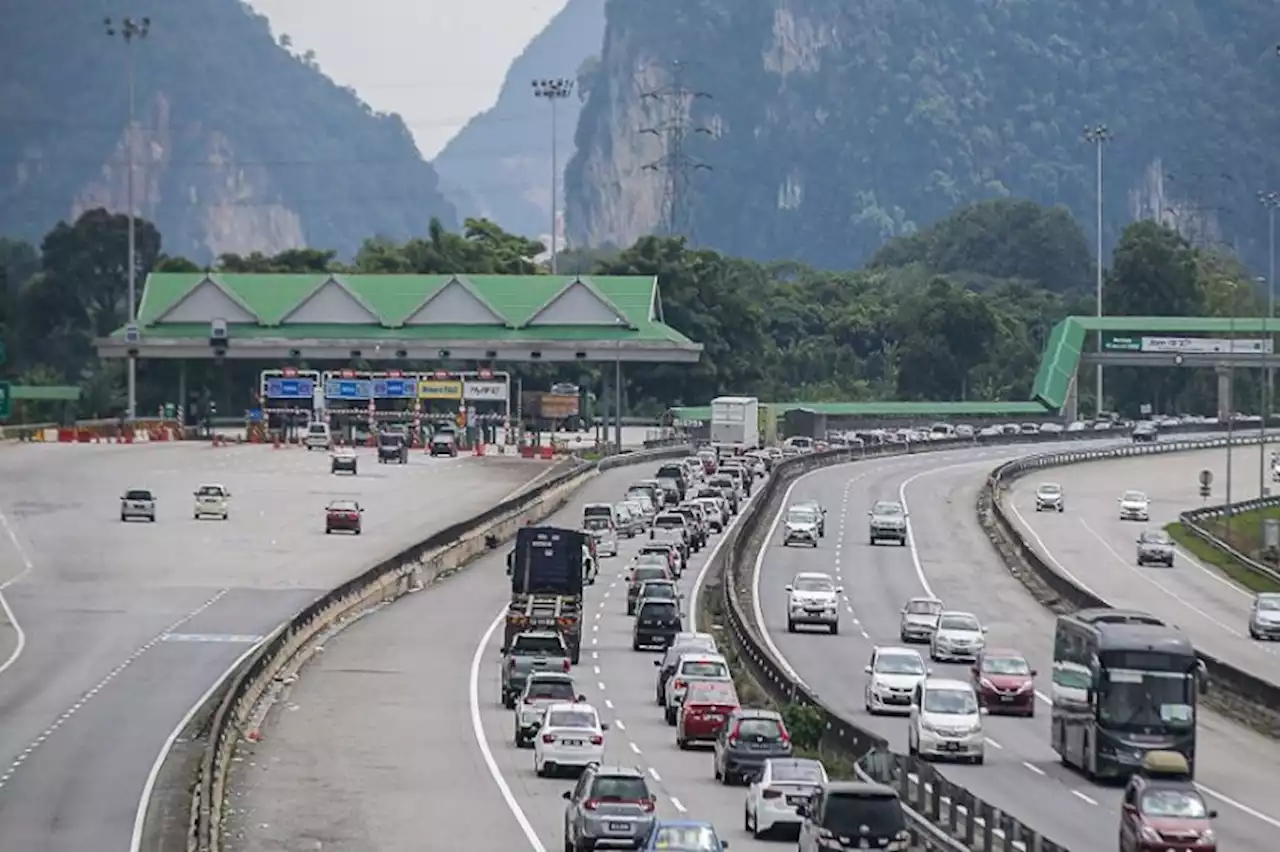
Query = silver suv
x=1155 y=546
x=888 y=522
x=622 y=808
x=1264 y=616
x=138 y=503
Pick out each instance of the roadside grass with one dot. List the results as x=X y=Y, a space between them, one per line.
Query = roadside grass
x=1245 y=529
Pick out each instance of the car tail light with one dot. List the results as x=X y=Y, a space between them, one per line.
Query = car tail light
x=590 y=805
x=511 y=665
x=596 y=739
x=782 y=733
x=548 y=738
x=772 y=794
x=528 y=701
x=679 y=684
x=647 y=805
x=566 y=665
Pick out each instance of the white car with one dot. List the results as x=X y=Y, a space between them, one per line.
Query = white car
x=606 y=536
x=138 y=503
x=1134 y=506
x=946 y=721
x=569 y=736
x=919 y=619
x=715 y=512
x=697 y=665
x=801 y=527
x=784 y=783
x=317 y=437
x=813 y=598
x=212 y=501
x=959 y=637
x=1049 y=498
x=892 y=677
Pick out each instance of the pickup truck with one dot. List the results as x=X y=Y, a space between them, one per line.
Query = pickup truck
x=535 y=651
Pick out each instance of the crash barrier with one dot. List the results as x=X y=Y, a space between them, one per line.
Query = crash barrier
x=108 y=430
x=1234 y=692
x=220 y=724
x=1193 y=519
x=941 y=815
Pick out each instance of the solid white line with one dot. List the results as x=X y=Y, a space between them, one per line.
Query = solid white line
x=1045 y=551
x=1036 y=769
x=477 y=729
x=148 y=788
x=678 y=804
x=1083 y=797
x=634 y=747
x=20 y=636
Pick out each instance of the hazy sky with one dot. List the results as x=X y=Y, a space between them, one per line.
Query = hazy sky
x=436 y=62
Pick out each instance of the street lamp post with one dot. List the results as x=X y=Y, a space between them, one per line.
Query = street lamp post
x=130 y=30
x=1231 y=395
x=1270 y=200
x=1098 y=135
x=553 y=90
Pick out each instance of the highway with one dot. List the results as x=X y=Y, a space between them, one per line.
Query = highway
x=125 y=626
x=950 y=556
x=1098 y=548
x=387 y=738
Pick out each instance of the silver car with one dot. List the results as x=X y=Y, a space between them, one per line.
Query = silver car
x=1264 y=618
x=888 y=522
x=609 y=804
x=541 y=690
x=919 y=619
x=813 y=598
x=138 y=503
x=1155 y=548
x=1049 y=498
x=959 y=637
x=801 y=527
x=1134 y=506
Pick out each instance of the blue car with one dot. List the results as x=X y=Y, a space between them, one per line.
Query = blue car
x=685 y=836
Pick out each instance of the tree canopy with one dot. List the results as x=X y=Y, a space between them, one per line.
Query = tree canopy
x=917 y=324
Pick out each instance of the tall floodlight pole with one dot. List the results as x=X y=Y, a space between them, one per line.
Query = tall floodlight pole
x=1231 y=396
x=1270 y=200
x=1098 y=136
x=553 y=90
x=131 y=31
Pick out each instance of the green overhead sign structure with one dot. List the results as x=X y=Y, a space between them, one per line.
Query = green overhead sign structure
x=5 y=397
x=1119 y=343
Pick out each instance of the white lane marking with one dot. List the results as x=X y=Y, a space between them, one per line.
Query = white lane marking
x=597 y=668
x=20 y=636
x=600 y=684
x=27 y=565
x=617 y=722
x=595 y=655
x=1036 y=769
x=148 y=788
x=609 y=704
x=86 y=697
x=678 y=804
x=654 y=773
x=993 y=743
x=1213 y=574
x=1083 y=797
x=634 y=747
x=477 y=730
x=1045 y=551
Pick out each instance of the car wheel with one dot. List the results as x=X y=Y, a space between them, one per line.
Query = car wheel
x=902 y=637
x=979 y=760
x=791 y=627
x=902 y=542
x=682 y=744
x=195 y=516
x=151 y=520
x=328 y=530
x=872 y=541
x=835 y=629
x=670 y=715
x=123 y=517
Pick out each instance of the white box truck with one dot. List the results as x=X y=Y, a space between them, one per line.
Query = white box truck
x=735 y=423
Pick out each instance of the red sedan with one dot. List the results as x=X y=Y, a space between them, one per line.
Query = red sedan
x=1005 y=683
x=707 y=706
x=343 y=515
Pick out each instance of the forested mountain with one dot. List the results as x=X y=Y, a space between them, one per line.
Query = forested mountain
x=499 y=165
x=239 y=144
x=834 y=126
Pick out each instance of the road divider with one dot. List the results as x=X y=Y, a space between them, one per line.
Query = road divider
x=1193 y=521
x=1234 y=692
x=225 y=716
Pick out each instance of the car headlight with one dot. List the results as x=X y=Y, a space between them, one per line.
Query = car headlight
x=1149 y=834
x=1207 y=836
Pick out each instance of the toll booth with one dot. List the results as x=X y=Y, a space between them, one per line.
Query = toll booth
x=359 y=403
x=486 y=396
x=287 y=400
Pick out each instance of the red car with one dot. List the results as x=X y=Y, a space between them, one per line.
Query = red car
x=343 y=515
x=1005 y=683
x=1162 y=811
x=707 y=706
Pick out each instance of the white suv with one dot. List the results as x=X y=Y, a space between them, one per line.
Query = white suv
x=318 y=437
x=813 y=598
x=946 y=721
x=211 y=501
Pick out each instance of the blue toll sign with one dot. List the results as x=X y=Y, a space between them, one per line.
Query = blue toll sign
x=395 y=388
x=290 y=388
x=348 y=389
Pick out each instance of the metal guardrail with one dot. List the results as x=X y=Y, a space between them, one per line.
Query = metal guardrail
x=1191 y=521
x=230 y=706
x=1243 y=696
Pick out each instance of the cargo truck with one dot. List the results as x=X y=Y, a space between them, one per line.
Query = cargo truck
x=735 y=423
x=559 y=409
x=547 y=568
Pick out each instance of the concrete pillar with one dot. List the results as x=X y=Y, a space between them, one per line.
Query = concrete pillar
x=1225 y=403
x=617 y=407
x=1071 y=405
x=182 y=392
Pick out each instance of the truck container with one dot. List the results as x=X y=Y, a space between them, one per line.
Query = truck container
x=735 y=423
x=768 y=424
x=547 y=568
x=547 y=411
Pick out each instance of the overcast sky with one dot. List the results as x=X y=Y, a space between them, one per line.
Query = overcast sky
x=436 y=62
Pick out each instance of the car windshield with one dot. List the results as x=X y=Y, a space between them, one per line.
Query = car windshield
x=389 y=439
x=559 y=690
x=650 y=572
x=1154 y=538
x=1006 y=665
x=1134 y=497
x=137 y=494
x=571 y=719
x=660 y=589
x=538 y=646
x=813 y=584
x=722 y=482
x=1050 y=489
x=1176 y=804
x=952 y=701
x=959 y=622
x=710 y=692
x=924 y=607
x=685 y=838
x=759 y=729
x=343 y=506
x=658 y=609
x=903 y=664
x=318 y=429
x=596 y=523
x=666 y=521
x=209 y=491
x=797 y=771
x=886 y=508
x=442 y=438
x=1269 y=604
x=801 y=516
x=849 y=815
x=653 y=559
x=619 y=788
x=704 y=668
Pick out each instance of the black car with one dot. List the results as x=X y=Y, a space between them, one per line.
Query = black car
x=657 y=623
x=393 y=447
x=443 y=444
x=1144 y=433
x=852 y=815
x=749 y=738
x=675 y=472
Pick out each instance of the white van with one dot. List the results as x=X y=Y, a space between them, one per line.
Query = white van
x=317 y=437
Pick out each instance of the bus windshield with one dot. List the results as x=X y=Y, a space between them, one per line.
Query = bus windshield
x=1147 y=699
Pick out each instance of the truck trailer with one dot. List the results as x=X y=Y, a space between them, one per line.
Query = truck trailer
x=547 y=571
x=735 y=423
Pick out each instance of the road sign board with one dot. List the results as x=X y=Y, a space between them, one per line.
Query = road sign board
x=1204 y=491
x=290 y=388
x=5 y=397
x=1206 y=477
x=1116 y=343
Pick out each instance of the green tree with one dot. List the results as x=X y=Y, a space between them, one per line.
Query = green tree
x=1153 y=273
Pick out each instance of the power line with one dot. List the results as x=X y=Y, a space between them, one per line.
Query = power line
x=676 y=166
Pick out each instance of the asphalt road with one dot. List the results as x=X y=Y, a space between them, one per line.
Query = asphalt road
x=950 y=556
x=387 y=738
x=1099 y=549
x=125 y=626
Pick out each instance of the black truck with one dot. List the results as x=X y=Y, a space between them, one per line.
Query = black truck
x=546 y=569
x=393 y=447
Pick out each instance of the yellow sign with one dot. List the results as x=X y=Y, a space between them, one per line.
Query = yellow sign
x=439 y=389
